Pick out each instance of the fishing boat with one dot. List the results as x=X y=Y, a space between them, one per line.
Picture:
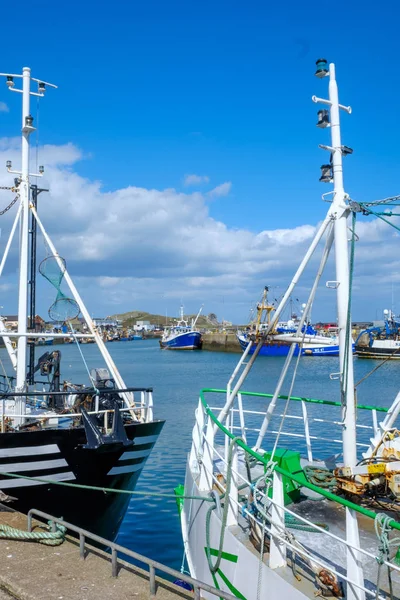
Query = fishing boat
x=43 y=341
x=280 y=339
x=380 y=342
x=182 y=336
x=59 y=439
x=269 y=511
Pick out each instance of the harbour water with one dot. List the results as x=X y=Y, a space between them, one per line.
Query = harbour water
x=151 y=525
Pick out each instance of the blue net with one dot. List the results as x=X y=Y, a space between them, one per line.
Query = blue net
x=63 y=308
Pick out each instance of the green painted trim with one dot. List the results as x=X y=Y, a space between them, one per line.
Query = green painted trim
x=297 y=399
x=230 y=586
x=300 y=480
x=231 y=557
x=179 y=492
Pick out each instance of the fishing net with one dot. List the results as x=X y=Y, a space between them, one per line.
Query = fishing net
x=63 y=308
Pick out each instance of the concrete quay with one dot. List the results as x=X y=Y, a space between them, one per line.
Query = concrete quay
x=221 y=342
x=33 y=571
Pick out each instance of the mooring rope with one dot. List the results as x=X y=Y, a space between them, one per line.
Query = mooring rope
x=106 y=489
x=49 y=538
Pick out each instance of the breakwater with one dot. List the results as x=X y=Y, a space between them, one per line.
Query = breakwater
x=221 y=342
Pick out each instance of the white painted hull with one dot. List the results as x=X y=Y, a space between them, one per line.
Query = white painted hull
x=238 y=573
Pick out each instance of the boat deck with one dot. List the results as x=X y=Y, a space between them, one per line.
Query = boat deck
x=329 y=551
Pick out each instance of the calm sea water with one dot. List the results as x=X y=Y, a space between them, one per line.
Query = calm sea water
x=151 y=526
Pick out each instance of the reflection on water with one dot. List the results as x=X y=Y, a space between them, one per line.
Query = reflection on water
x=151 y=525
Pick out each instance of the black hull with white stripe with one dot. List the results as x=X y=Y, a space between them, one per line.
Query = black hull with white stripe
x=59 y=455
x=371 y=352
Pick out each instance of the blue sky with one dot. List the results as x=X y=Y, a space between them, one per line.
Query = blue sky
x=150 y=92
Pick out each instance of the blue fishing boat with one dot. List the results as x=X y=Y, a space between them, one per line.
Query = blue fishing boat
x=283 y=335
x=182 y=336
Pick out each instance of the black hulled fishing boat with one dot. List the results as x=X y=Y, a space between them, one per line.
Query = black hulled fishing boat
x=54 y=432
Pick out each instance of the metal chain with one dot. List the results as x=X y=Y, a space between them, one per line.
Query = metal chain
x=7 y=208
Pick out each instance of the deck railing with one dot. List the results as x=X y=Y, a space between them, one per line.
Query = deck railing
x=141 y=408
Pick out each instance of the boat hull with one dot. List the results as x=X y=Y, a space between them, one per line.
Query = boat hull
x=239 y=570
x=378 y=353
x=58 y=455
x=184 y=341
x=274 y=348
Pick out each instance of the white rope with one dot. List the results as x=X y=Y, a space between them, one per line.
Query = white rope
x=82 y=356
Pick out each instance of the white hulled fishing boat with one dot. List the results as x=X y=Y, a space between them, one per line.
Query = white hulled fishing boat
x=58 y=437
x=280 y=516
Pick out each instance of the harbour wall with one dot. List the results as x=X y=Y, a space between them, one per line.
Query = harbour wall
x=221 y=342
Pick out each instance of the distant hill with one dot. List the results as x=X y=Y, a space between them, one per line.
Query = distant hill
x=130 y=318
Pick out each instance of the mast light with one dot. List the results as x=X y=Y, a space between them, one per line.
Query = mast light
x=10 y=81
x=8 y=164
x=28 y=128
x=323 y=118
x=346 y=150
x=326 y=174
x=41 y=87
x=322 y=68
x=41 y=169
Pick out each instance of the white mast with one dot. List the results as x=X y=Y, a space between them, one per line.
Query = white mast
x=341 y=211
x=23 y=192
x=198 y=314
x=24 y=231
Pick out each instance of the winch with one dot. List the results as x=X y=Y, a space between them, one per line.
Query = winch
x=375 y=475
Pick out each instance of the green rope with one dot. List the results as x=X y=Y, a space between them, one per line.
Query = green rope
x=107 y=490
x=321 y=477
x=49 y=538
x=214 y=567
x=379 y=215
x=292 y=523
x=382 y=529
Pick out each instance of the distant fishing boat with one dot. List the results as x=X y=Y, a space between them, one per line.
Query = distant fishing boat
x=279 y=341
x=182 y=336
x=45 y=341
x=380 y=342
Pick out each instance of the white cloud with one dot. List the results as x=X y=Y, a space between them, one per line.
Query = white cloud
x=220 y=190
x=138 y=248
x=4 y=107
x=194 y=179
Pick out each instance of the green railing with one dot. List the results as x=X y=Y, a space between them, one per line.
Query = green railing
x=299 y=480
x=297 y=399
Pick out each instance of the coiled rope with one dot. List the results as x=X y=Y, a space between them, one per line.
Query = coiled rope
x=48 y=538
x=382 y=529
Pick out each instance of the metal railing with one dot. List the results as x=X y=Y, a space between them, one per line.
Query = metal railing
x=117 y=548
x=305 y=420
x=142 y=409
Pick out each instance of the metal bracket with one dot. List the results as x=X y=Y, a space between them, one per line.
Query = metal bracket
x=328 y=194
x=335 y=376
x=332 y=285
